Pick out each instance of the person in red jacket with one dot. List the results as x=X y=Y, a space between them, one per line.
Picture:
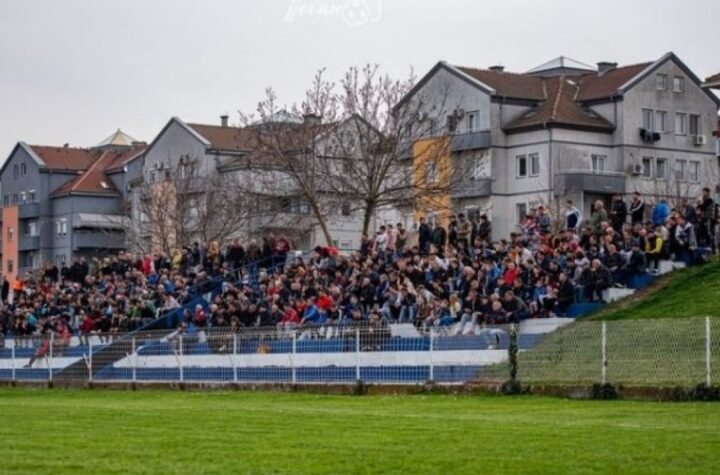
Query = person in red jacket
x=290 y=319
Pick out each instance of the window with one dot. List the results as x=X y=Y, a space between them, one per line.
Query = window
x=678 y=84
x=431 y=172
x=661 y=168
x=31 y=196
x=10 y=233
x=660 y=122
x=6 y=199
x=345 y=245
x=680 y=169
x=694 y=171
x=10 y=266
x=661 y=82
x=23 y=196
x=647 y=119
x=522 y=170
x=680 y=123
x=694 y=126
x=647 y=167
x=15 y=198
x=521 y=211
x=345 y=209
x=23 y=169
x=61 y=227
x=598 y=163
x=534 y=164
x=472 y=121
x=15 y=171
x=32 y=228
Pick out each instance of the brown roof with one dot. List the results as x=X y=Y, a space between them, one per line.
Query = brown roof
x=520 y=86
x=715 y=78
x=600 y=86
x=224 y=138
x=560 y=108
x=65 y=158
x=94 y=179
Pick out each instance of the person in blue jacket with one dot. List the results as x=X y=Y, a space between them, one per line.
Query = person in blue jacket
x=660 y=212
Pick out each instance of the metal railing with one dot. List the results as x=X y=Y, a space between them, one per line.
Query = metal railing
x=653 y=353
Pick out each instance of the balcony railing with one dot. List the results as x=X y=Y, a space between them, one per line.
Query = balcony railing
x=29 y=243
x=97 y=240
x=29 y=210
x=476 y=187
x=474 y=140
x=588 y=180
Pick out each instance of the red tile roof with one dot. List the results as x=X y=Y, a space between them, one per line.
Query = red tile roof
x=65 y=158
x=225 y=138
x=560 y=108
x=94 y=179
x=601 y=86
x=520 y=86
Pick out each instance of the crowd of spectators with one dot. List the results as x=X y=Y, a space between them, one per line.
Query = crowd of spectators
x=451 y=278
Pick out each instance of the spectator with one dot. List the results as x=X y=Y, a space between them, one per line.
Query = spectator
x=637 y=209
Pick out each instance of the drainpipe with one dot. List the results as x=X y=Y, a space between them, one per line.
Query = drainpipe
x=551 y=177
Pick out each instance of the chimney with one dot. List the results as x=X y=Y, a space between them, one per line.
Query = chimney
x=224 y=120
x=311 y=120
x=605 y=66
x=498 y=68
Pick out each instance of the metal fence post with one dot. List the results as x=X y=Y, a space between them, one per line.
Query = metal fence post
x=293 y=368
x=604 y=353
x=708 y=353
x=357 y=354
x=234 y=359
x=50 y=359
x=90 y=355
x=432 y=364
x=134 y=360
x=12 y=354
x=180 y=362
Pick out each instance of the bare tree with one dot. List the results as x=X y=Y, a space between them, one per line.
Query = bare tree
x=361 y=145
x=180 y=206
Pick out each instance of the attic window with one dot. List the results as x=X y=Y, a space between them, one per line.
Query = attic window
x=104 y=185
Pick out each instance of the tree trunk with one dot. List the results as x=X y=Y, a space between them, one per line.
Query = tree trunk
x=367 y=217
x=323 y=224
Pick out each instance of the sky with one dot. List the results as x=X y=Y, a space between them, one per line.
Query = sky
x=74 y=71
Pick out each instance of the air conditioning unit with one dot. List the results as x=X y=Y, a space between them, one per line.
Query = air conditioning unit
x=459 y=113
x=700 y=140
x=637 y=169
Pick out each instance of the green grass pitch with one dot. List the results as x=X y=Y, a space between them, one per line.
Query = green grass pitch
x=98 y=432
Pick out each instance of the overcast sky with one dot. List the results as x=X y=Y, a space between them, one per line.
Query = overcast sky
x=76 y=70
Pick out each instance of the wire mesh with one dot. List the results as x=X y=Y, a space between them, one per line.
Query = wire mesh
x=629 y=352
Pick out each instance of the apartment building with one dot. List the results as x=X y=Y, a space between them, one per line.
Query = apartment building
x=230 y=150
x=569 y=130
x=62 y=202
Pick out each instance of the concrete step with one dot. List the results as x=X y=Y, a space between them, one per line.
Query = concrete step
x=612 y=294
x=669 y=266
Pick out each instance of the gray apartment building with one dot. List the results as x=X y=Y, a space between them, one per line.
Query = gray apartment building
x=568 y=130
x=63 y=202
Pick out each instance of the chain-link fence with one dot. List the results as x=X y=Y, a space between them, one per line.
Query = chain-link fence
x=663 y=352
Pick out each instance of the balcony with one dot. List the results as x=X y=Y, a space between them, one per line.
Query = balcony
x=473 y=188
x=29 y=210
x=97 y=240
x=470 y=141
x=29 y=243
x=587 y=180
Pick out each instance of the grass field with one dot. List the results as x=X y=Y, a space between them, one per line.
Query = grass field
x=94 y=431
x=691 y=292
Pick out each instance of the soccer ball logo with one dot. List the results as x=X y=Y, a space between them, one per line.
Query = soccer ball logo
x=356 y=12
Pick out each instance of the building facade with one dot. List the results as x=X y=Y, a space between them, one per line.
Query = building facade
x=567 y=130
x=60 y=203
